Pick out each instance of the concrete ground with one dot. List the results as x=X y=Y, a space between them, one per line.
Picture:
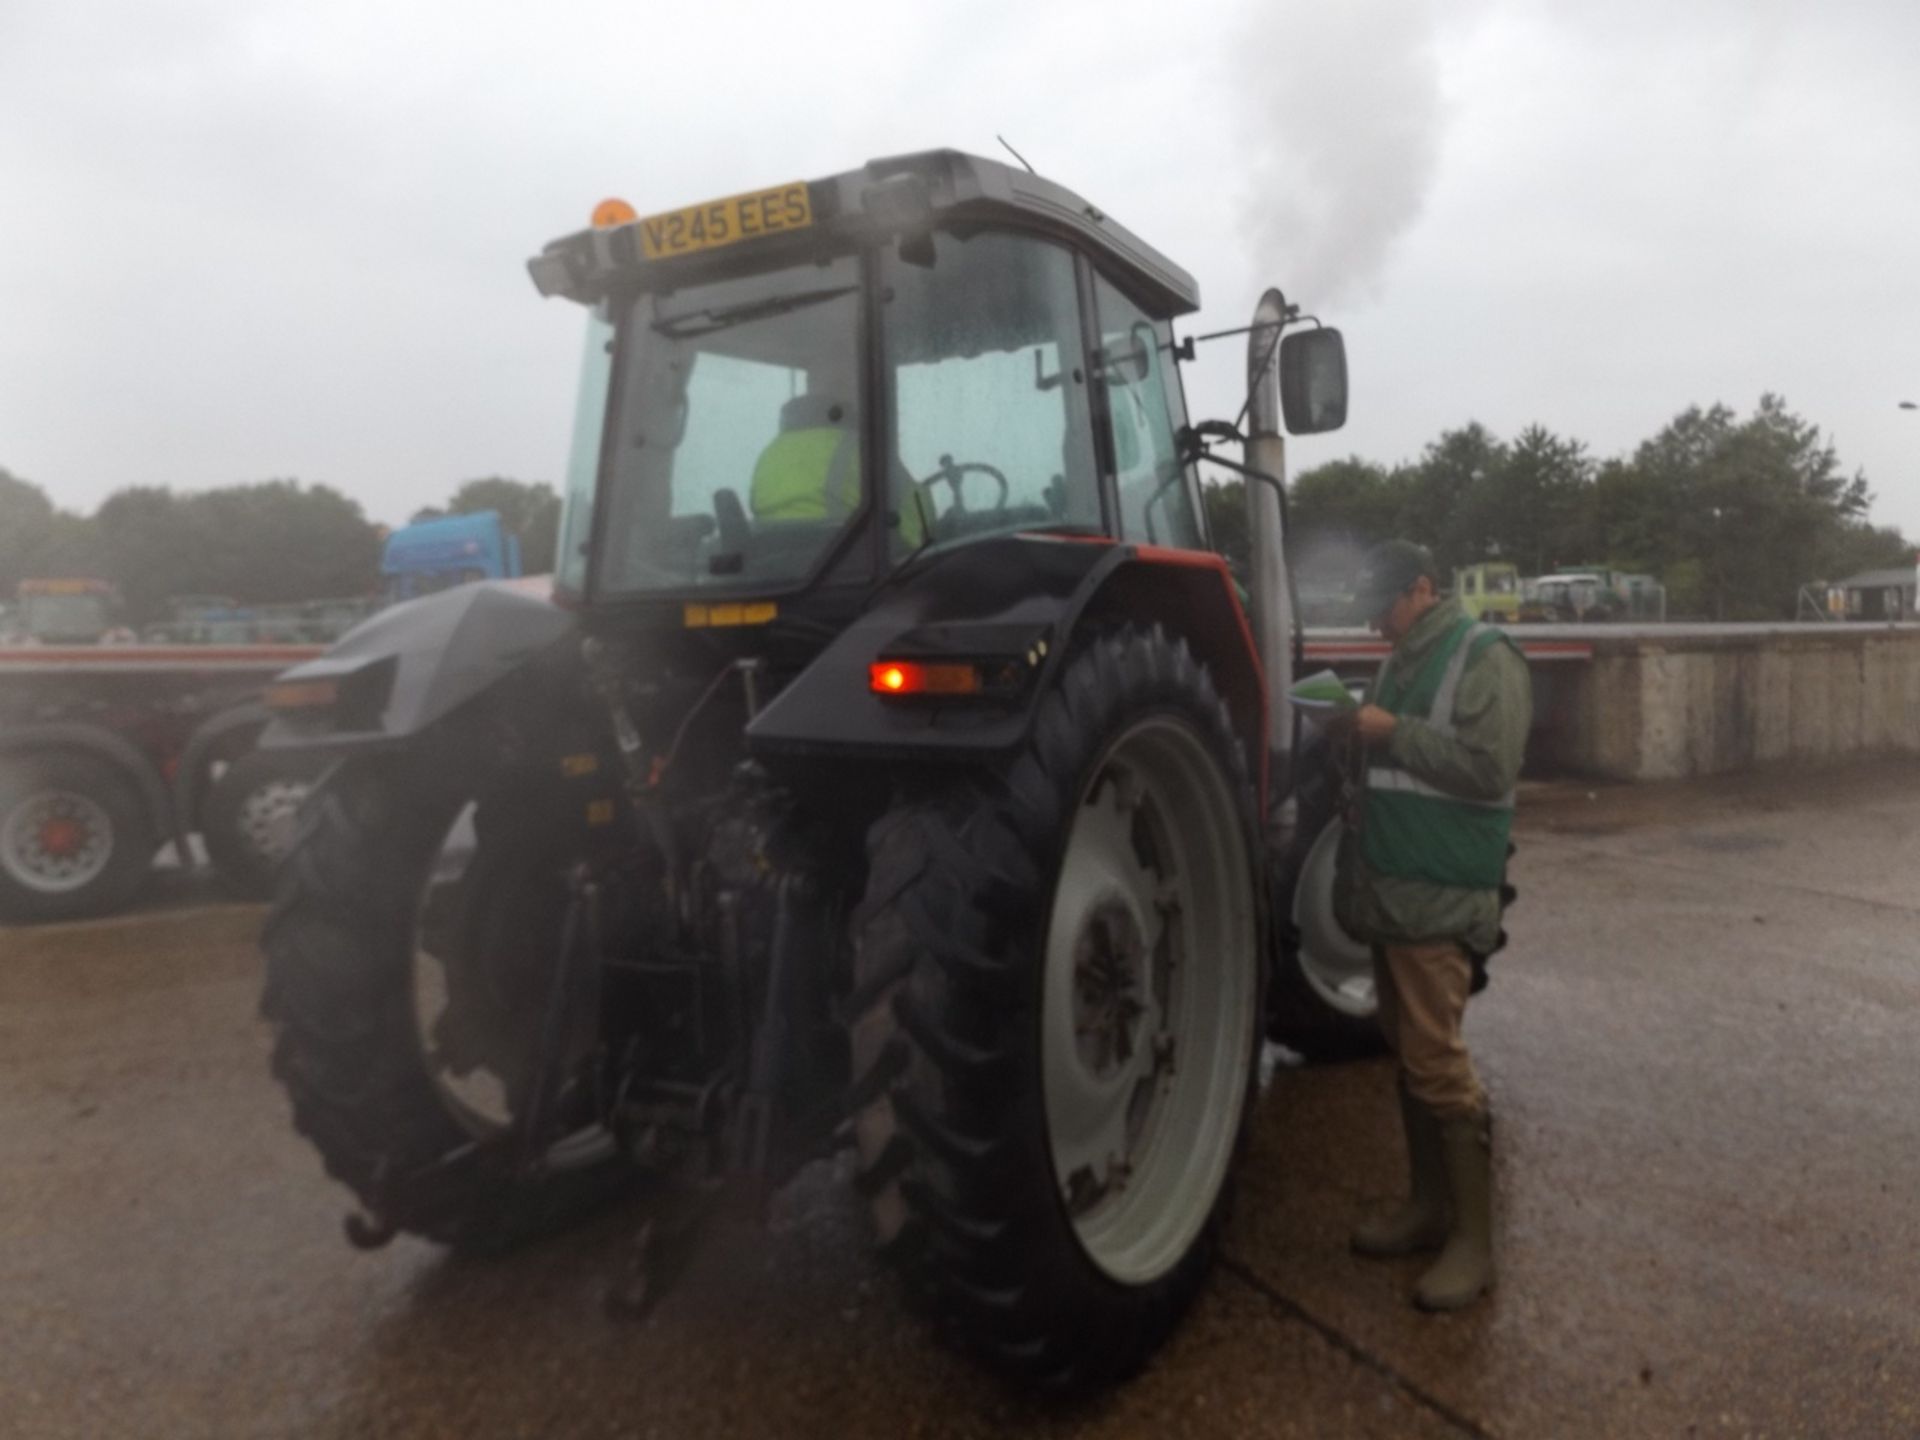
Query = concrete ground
x=1701 y=1045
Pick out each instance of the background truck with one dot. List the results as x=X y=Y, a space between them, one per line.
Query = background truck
x=214 y=620
x=900 y=772
x=1593 y=594
x=432 y=555
x=64 y=612
x=111 y=754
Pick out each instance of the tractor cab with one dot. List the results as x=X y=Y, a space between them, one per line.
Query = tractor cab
x=807 y=386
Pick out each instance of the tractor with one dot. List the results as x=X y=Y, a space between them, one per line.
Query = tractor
x=889 y=767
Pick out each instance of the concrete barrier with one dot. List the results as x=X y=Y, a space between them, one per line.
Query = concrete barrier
x=1662 y=703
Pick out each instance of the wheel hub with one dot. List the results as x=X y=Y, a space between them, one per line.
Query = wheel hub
x=268 y=817
x=1109 y=978
x=56 y=841
x=61 y=837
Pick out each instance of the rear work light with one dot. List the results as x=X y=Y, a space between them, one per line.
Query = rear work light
x=916 y=677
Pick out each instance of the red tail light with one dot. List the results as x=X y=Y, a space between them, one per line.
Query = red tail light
x=914 y=677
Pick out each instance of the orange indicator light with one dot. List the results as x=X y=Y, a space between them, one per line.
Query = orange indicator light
x=302 y=694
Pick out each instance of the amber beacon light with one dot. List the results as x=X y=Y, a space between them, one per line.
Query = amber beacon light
x=609 y=213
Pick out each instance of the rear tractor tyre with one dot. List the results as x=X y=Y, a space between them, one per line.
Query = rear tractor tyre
x=1055 y=1020
x=75 y=838
x=1324 y=1006
x=409 y=956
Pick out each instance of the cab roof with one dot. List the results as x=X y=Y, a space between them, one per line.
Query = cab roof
x=899 y=195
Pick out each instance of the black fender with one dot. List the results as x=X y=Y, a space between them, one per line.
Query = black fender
x=411 y=666
x=209 y=739
x=99 y=741
x=1013 y=604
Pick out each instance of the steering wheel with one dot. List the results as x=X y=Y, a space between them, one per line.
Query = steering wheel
x=953 y=473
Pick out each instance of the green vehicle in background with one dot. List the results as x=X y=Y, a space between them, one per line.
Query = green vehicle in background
x=1489 y=591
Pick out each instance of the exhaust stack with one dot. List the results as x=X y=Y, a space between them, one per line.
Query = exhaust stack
x=1272 y=597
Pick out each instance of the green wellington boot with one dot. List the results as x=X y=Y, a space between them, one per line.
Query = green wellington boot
x=1464 y=1271
x=1421 y=1221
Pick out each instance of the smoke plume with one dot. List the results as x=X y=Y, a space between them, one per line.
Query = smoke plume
x=1341 y=120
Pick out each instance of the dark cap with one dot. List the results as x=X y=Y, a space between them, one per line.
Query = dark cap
x=1386 y=572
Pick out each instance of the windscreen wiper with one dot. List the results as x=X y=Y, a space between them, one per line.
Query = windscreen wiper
x=705 y=322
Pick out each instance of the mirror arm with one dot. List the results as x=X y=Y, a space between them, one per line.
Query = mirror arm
x=1294 y=317
x=1192 y=441
x=1184 y=349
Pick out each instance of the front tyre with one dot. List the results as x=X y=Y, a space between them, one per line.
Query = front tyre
x=1057 y=1002
x=409 y=954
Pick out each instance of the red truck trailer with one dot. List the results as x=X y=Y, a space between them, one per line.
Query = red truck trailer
x=109 y=755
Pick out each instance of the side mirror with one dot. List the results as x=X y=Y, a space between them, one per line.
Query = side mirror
x=1313 y=381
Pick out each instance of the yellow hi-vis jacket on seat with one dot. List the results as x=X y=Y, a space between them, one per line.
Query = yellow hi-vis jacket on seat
x=810 y=471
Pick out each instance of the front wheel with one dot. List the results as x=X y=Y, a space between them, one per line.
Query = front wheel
x=1058 y=991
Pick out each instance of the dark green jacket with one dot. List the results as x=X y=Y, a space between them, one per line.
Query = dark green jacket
x=1480 y=761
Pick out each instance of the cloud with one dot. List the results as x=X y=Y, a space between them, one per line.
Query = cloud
x=1341 y=124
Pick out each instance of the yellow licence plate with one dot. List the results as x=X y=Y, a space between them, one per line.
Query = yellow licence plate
x=724 y=222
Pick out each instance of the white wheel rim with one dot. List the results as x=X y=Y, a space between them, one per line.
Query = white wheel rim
x=1336 y=967
x=1148 y=1011
x=55 y=842
x=268 y=817
x=477 y=1097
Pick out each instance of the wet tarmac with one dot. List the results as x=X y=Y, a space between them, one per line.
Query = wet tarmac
x=1701 y=1046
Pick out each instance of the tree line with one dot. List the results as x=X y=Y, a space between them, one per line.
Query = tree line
x=1732 y=514
x=264 y=543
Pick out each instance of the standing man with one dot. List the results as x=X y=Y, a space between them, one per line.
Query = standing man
x=1443 y=735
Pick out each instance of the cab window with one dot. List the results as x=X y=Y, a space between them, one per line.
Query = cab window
x=1134 y=368
x=991 y=427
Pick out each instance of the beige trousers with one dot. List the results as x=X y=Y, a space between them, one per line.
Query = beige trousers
x=1422 y=991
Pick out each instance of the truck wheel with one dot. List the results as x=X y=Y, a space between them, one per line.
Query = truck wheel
x=409 y=956
x=1055 y=1020
x=75 y=840
x=247 y=820
x=1323 y=996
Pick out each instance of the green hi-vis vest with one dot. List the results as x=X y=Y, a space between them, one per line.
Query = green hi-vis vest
x=1415 y=830
x=807 y=474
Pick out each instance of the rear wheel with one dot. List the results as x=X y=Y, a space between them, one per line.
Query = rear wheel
x=1058 y=990
x=75 y=839
x=1323 y=1002
x=1324 y=1005
x=410 y=955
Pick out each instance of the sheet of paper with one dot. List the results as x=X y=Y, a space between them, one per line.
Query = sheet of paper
x=1325 y=691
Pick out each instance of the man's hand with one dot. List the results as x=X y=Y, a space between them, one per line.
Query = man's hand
x=1374 y=724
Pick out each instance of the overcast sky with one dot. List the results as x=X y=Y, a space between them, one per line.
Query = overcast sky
x=283 y=238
